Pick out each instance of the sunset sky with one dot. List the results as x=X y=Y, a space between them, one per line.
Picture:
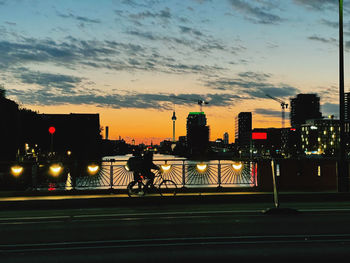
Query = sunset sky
x=127 y=59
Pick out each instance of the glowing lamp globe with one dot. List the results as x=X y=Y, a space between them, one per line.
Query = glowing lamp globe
x=52 y=130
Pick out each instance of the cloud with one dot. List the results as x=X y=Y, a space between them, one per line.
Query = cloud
x=198 y=44
x=163 y=14
x=158 y=101
x=80 y=18
x=323 y=40
x=330 y=109
x=112 y=55
x=257 y=13
x=10 y=23
x=267 y=112
x=62 y=82
x=329 y=23
x=331 y=41
x=191 y=31
x=318 y=5
x=323 y=5
x=254 y=75
x=252 y=85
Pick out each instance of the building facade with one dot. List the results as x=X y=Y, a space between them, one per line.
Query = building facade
x=243 y=131
x=197 y=138
x=304 y=107
x=320 y=137
x=226 y=138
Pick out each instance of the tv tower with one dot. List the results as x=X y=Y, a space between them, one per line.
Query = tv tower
x=173 y=119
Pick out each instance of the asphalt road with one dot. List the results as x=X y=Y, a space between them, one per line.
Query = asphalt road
x=176 y=232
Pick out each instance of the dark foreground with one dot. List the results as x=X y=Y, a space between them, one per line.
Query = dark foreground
x=152 y=231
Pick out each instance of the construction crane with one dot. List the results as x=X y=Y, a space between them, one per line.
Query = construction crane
x=283 y=106
x=200 y=102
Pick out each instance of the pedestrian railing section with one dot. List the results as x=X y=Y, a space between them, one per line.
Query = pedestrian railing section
x=115 y=174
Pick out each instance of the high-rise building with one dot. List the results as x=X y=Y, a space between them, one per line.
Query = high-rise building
x=197 y=133
x=226 y=138
x=304 y=107
x=243 y=129
x=320 y=136
x=107 y=132
x=347 y=106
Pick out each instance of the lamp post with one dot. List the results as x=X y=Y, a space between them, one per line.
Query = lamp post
x=343 y=183
x=51 y=131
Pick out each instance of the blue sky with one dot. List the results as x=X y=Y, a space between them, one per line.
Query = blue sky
x=126 y=59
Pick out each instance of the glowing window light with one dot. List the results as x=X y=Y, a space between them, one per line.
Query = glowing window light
x=93 y=169
x=16 y=170
x=165 y=167
x=202 y=167
x=318 y=170
x=237 y=166
x=55 y=169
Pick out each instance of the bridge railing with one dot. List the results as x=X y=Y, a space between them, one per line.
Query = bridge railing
x=114 y=174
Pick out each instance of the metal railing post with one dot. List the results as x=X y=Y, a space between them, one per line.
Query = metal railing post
x=275 y=193
x=183 y=174
x=219 y=174
x=111 y=176
x=34 y=176
x=74 y=175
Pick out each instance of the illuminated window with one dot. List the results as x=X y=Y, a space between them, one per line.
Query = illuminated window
x=318 y=170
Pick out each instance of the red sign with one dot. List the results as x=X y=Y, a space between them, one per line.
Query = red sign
x=259 y=135
x=52 y=130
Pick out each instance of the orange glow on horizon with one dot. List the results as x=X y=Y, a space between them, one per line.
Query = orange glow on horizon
x=153 y=126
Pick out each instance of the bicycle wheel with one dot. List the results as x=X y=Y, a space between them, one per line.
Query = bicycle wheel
x=136 y=189
x=167 y=188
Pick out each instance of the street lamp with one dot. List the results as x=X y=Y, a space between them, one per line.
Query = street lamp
x=52 y=131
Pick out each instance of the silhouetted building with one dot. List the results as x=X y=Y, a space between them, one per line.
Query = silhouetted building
x=243 y=131
x=267 y=141
x=78 y=133
x=320 y=136
x=10 y=128
x=197 y=134
x=304 y=107
x=226 y=138
x=107 y=133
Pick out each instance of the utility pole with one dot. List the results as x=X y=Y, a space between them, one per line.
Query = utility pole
x=342 y=165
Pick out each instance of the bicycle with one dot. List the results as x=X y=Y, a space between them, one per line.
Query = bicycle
x=165 y=187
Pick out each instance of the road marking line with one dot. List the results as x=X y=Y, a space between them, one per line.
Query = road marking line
x=178 y=242
x=116 y=216
x=183 y=239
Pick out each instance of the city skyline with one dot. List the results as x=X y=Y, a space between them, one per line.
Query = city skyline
x=126 y=60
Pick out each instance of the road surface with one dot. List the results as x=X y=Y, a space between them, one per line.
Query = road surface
x=176 y=232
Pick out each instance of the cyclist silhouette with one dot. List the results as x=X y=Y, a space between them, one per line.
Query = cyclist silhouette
x=135 y=164
x=147 y=166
